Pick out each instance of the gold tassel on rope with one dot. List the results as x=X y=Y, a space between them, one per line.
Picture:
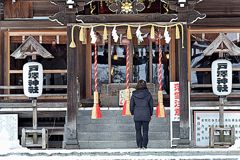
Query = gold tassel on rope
x=105 y=34
x=152 y=33
x=81 y=35
x=84 y=36
x=72 y=44
x=129 y=34
x=177 y=32
x=160 y=112
x=126 y=106
x=96 y=113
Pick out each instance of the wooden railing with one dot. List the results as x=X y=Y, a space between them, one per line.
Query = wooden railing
x=43 y=96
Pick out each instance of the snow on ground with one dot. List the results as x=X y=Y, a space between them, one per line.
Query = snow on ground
x=121 y=158
x=236 y=145
x=122 y=154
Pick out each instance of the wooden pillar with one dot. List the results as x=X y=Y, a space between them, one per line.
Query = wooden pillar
x=183 y=86
x=109 y=58
x=1 y=11
x=1 y=59
x=150 y=62
x=131 y=50
x=81 y=66
x=6 y=63
x=70 y=129
x=88 y=68
x=1 y=45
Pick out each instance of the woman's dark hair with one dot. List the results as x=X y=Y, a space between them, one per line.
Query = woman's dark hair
x=141 y=85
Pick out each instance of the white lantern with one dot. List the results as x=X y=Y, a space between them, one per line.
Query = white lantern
x=182 y=3
x=32 y=79
x=70 y=3
x=222 y=77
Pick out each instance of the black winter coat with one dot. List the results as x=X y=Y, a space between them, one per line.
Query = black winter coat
x=141 y=105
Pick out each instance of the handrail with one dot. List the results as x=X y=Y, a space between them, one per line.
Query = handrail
x=43 y=95
x=209 y=69
x=8 y=95
x=45 y=86
x=236 y=85
x=44 y=71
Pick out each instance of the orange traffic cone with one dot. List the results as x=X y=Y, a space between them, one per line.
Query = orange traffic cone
x=96 y=112
x=160 y=110
x=126 y=106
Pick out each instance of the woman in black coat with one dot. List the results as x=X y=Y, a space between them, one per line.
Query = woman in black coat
x=141 y=106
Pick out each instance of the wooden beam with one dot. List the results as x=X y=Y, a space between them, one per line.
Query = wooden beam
x=218 y=22
x=115 y=18
x=18 y=9
x=219 y=8
x=45 y=71
x=42 y=32
x=30 y=24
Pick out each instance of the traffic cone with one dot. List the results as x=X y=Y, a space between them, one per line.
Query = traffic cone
x=96 y=112
x=160 y=110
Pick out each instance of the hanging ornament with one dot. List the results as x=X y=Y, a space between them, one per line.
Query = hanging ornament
x=81 y=35
x=166 y=35
x=105 y=34
x=129 y=33
x=177 y=32
x=114 y=34
x=139 y=34
x=160 y=110
x=152 y=33
x=93 y=36
x=126 y=106
x=72 y=44
x=96 y=112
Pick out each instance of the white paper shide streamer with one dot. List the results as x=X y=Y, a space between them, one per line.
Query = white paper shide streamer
x=114 y=34
x=93 y=36
x=139 y=34
x=166 y=35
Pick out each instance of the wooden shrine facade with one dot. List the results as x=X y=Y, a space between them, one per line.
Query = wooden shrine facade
x=72 y=71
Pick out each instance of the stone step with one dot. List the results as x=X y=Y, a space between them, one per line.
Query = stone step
x=128 y=127
x=118 y=136
x=117 y=131
x=108 y=113
x=122 y=144
x=113 y=117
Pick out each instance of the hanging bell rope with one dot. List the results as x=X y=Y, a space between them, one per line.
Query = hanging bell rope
x=160 y=110
x=96 y=112
x=126 y=106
